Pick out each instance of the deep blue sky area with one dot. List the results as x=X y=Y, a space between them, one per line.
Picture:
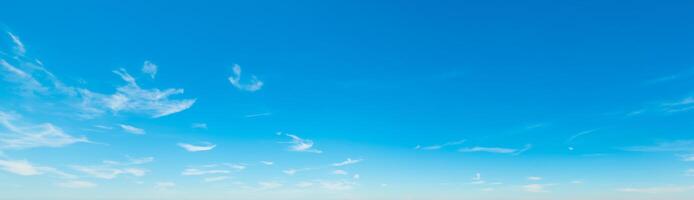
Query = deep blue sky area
x=347 y=100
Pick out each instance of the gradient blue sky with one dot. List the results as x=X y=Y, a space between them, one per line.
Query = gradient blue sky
x=321 y=100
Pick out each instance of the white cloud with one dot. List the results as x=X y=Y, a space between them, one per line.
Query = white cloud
x=131 y=161
x=106 y=172
x=18 y=45
x=356 y=176
x=31 y=136
x=689 y=172
x=132 y=129
x=534 y=178
x=76 y=184
x=20 y=167
x=687 y=158
x=164 y=185
x=153 y=102
x=674 y=146
x=304 y=184
x=337 y=185
x=535 y=188
x=268 y=185
x=112 y=169
x=216 y=178
x=194 y=148
x=349 y=161
x=301 y=145
x=439 y=146
x=257 y=115
x=267 y=162
x=685 y=104
x=340 y=172
x=199 y=172
x=582 y=133
x=495 y=150
x=290 y=171
x=28 y=83
x=235 y=80
x=199 y=125
x=149 y=68
x=657 y=190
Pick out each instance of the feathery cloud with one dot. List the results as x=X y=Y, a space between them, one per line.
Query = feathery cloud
x=149 y=68
x=535 y=188
x=133 y=98
x=534 y=178
x=76 y=184
x=20 y=167
x=164 y=185
x=673 y=146
x=199 y=125
x=32 y=136
x=199 y=172
x=349 y=161
x=18 y=45
x=301 y=145
x=658 y=190
x=112 y=169
x=267 y=162
x=108 y=172
x=216 y=178
x=340 y=172
x=235 y=80
x=194 y=148
x=439 y=146
x=496 y=150
x=132 y=129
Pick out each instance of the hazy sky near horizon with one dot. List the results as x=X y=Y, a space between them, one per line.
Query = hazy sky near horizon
x=502 y=100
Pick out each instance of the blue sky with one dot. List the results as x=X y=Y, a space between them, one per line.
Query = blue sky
x=347 y=100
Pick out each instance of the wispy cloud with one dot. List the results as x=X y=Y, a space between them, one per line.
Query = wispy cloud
x=674 y=146
x=267 y=162
x=132 y=129
x=340 y=172
x=164 y=185
x=534 y=178
x=258 y=115
x=536 y=188
x=682 y=105
x=269 y=185
x=439 y=146
x=337 y=185
x=687 y=157
x=133 y=98
x=149 y=68
x=20 y=167
x=301 y=145
x=18 y=45
x=195 y=148
x=579 y=134
x=199 y=125
x=76 y=184
x=109 y=172
x=497 y=150
x=235 y=80
x=349 y=161
x=216 y=178
x=200 y=172
x=18 y=136
x=689 y=172
x=112 y=169
x=657 y=190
